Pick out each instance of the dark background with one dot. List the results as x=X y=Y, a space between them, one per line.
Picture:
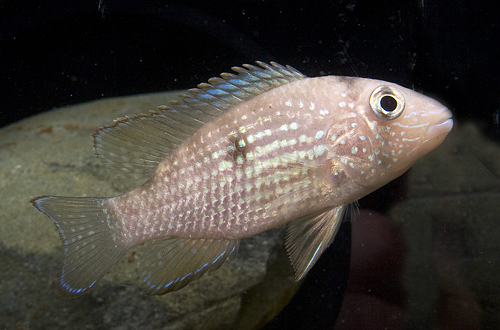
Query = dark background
x=58 y=53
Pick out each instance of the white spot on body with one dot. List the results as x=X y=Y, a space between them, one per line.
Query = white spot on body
x=320 y=150
x=319 y=135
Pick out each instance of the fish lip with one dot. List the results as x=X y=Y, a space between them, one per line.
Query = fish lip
x=443 y=125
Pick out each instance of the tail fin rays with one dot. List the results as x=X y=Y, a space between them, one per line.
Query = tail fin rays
x=91 y=244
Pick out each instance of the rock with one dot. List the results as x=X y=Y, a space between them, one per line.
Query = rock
x=449 y=221
x=52 y=154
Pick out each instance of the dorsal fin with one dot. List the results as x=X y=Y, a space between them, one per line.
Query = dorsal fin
x=136 y=144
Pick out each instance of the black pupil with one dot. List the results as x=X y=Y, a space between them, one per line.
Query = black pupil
x=388 y=103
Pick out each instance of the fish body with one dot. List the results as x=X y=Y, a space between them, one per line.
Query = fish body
x=239 y=155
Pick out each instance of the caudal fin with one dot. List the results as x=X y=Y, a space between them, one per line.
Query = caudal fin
x=91 y=244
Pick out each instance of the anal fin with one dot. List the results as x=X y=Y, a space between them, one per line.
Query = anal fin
x=173 y=262
x=308 y=237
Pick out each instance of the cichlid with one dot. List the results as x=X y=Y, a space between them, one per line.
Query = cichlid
x=243 y=153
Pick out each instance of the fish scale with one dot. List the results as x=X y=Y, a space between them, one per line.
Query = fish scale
x=252 y=189
x=241 y=154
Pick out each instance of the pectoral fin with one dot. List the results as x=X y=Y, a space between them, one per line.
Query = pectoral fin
x=174 y=262
x=309 y=236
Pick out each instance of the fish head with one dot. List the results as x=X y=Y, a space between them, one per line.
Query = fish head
x=385 y=129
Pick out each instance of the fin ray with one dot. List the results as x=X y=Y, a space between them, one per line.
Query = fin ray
x=135 y=145
x=308 y=237
x=91 y=246
x=174 y=262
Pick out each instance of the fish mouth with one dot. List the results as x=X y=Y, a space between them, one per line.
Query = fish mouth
x=443 y=126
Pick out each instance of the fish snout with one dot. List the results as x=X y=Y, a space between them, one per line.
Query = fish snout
x=441 y=124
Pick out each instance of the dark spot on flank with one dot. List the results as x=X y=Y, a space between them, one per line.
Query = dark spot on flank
x=238 y=148
x=46 y=130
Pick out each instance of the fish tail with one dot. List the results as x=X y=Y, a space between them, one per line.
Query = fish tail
x=91 y=243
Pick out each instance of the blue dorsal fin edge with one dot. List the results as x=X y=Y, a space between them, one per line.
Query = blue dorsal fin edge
x=134 y=145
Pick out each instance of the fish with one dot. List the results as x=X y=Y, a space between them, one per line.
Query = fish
x=261 y=147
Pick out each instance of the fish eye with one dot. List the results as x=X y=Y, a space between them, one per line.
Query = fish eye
x=387 y=102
